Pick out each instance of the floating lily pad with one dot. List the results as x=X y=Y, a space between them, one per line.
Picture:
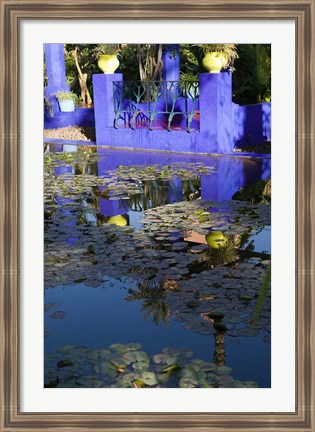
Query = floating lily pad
x=64 y=363
x=49 y=306
x=89 y=381
x=149 y=378
x=58 y=315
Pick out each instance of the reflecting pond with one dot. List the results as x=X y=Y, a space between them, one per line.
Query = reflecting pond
x=154 y=276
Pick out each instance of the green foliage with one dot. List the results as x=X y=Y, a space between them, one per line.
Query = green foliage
x=123 y=366
x=258 y=192
x=191 y=59
x=128 y=63
x=252 y=62
x=189 y=75
x=228 y=50
x=87 y=64
x=63 y=95
x=263 y=293
x=252 y=79
x=102 y=49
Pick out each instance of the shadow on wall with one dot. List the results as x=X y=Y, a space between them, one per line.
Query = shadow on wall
x=252 y=124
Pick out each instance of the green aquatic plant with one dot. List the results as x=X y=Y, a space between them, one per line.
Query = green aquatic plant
x=126 y=366
x=263 y=293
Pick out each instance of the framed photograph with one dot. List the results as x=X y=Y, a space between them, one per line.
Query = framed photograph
x=183 y=235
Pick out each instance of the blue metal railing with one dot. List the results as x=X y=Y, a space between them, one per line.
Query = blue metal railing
x=145 y=101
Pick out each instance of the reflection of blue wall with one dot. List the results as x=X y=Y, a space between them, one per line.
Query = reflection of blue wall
x=64 y=169
x=112 y=207
x=175 y=191
x=230 y=173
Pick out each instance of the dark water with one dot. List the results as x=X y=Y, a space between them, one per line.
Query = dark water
x=97 y=317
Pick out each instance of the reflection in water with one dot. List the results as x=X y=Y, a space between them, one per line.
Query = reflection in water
x=156 y=307
x=219 y=350
x=153 y=302
x=223 y=241
x=154 y=193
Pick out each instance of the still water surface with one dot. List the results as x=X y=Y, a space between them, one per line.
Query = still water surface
x=99 y=316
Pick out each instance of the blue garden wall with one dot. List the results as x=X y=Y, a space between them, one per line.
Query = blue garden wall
x=218 y=125
x=79 y=117
x=221 y=124
x=252 y=124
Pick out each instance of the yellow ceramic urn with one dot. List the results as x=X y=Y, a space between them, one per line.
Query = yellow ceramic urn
x=214 y=62
x=216 y=240
x=118 y=220
x=108 y=63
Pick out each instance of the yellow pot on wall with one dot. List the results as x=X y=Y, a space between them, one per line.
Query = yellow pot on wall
x=216 y=240
x=108 y=63
x=214 y=62
x=118 y=220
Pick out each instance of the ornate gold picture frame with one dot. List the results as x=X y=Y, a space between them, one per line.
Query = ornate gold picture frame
x=302 y=12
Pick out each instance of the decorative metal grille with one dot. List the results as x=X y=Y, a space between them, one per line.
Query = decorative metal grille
x=145 y=101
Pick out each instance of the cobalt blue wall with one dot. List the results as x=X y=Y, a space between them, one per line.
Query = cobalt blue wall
x=171 y=63
x=252 y=124
x=79 y=117
x=223 y=124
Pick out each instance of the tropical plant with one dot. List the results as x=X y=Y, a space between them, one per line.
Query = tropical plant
x=229 y=51
x=252 y=79
x=189 y=75
x=63 y=95
x=103 y=49
x=191 y=59
x=150 y=61
x=80 y=66
x=263 y=293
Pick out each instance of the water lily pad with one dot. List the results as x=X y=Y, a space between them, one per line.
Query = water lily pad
x=149 y=378
x=58 y=315
x=64 y=363
x=141 y=365
x=187 y=382
x=89 y=381
x=49 y=306
x=137 y=383
x=106 y=368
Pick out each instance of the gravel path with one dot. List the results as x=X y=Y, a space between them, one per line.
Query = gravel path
x=77 y=133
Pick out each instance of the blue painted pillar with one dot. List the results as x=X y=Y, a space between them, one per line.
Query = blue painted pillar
x=111 y=207
x=55 y=71
x=216 y=124
x=171 y=63
x=55 y=67
x=175 y=192
x=104 y=105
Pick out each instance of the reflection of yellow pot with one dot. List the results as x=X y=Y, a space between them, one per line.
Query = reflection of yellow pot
x=216 y=240
x=214 y=62
x=108 y=63
x=118 y=220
